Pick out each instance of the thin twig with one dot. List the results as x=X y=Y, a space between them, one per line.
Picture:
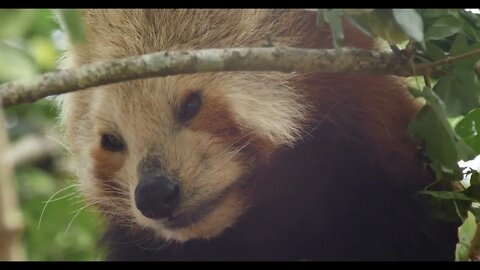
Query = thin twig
x=448 y=60
x=451 y=59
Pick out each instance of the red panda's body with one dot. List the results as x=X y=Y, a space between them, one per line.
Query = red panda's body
x=334 y=180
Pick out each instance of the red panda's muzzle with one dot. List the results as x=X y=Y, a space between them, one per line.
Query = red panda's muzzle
x=157 y=195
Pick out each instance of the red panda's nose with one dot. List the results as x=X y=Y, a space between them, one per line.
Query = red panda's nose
x=157 y=196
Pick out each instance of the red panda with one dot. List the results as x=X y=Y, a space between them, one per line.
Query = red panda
x=247 y=165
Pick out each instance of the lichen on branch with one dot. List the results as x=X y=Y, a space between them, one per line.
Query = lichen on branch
x=284 y=59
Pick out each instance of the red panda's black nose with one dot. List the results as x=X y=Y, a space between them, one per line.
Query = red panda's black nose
x=157 y=196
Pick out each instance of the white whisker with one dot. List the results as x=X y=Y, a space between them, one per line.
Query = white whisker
x=48 y=201
x=71 y=221
x=59 y=142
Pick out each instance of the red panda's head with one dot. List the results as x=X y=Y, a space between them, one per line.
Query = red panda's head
x=173 y=154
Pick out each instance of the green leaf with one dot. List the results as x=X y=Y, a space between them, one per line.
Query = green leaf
x=356 y=11
x=473 y=19
x=460 y=45
x=44 y=24
x=476 y=212
x=44 y=52
x=434 y=12
x=72 y=21
x=35 y=188
x=410 y=22
x=447 y=195
x=474 y=178
x=434 y=52
x=335 y=20
x=466 y=234
x=36 y=182
x=320 y=19
x=471 y=31
x=15 y=64
x=473 y=191
x=428 y=127
x=465 y=82
x=469 y=129
x=444 y=89
x=461 y=252
x=449 y=210
x=442 y=144
x=443 y=27
x=361 y=23
x=445 y=174
x=464 y=151
x=14 y=23
x=383 y=25
x=459 y=92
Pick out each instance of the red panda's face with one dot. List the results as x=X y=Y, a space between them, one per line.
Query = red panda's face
x=174 y=155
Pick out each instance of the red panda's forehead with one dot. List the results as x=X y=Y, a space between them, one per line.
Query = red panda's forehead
x=231 y=105
x=151 y=106
x=149 y=101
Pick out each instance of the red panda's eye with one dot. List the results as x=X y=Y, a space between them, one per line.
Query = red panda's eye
x=112 y=143
x=190 y=107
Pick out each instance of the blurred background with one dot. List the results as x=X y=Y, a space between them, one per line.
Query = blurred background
x=29 y=45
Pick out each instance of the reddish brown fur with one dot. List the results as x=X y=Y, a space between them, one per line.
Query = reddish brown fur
x=383 y=105
x=106 y=164
x=383 y=111
x=215 y=117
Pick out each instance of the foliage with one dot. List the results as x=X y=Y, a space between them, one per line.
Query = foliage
x=468 y=236
x=62 y=234
x=448 y=40
x=27 y=49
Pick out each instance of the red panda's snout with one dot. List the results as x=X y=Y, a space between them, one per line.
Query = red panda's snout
x=179 y=201
x=157 y=195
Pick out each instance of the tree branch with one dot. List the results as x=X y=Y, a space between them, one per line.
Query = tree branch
x=32 y=148
x=432 y=67
x=454 y=58
x=11 y=223
x=285 y=59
